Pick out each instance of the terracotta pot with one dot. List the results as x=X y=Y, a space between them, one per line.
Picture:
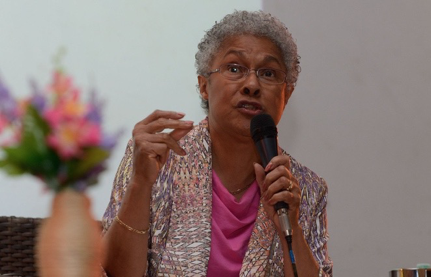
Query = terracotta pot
x=69 y=242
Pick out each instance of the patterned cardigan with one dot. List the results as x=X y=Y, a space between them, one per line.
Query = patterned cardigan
x=181 y=207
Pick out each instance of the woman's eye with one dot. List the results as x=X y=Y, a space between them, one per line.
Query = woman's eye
x=234 y=69
x=268 y=73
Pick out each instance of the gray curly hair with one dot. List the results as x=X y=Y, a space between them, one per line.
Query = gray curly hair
x=256 y=23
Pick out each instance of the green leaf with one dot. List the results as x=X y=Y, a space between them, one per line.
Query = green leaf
x=11 y=169
x=35 y=128
x=32 y=154
x=91 y=158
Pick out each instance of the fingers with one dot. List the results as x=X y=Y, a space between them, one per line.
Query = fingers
x=151 y=144
x=157 y=114
x=282 y=184
x=278 y=160
x=259 y=175
x=166 y=140
x=283 y=189
x=148 y=132
x=156 y=150
x=279 y=177
x=276 y=169
x=161 y=124
x=279 y=184
x=289 y=197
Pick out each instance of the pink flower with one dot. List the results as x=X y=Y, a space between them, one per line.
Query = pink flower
x=3 y=123
x=65 y=111
x=61 y=83
x=53 y=116
x=91 y=134
x=69 y=137
x=73 y=108
x=64 y=139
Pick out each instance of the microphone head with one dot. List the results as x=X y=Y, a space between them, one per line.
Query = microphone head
x=262 y=126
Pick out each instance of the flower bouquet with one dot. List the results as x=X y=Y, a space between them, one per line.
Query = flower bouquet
x=54 y=135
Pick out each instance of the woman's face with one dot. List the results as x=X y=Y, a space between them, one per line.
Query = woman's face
x=232 y=104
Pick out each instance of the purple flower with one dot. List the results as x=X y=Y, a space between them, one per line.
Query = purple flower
x=8 y=105
x=95 y=113
x=37 y=99
x=90 y=178
x=80 y=186
x=39 y=102
x=109 y=141
x=93 y=173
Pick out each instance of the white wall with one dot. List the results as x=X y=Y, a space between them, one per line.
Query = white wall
x=360 y=117
x=139 y=55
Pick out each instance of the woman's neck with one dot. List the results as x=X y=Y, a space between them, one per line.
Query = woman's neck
x=233 y=160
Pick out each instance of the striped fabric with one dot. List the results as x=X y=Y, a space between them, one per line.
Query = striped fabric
x=181 y=207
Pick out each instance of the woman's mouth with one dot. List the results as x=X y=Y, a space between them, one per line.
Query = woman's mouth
x=250 y=107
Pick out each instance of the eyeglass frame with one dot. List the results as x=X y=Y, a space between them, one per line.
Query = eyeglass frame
x=248 y=72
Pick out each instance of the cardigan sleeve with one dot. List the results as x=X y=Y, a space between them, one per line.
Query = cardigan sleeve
x=121 y=181
x=319 y=236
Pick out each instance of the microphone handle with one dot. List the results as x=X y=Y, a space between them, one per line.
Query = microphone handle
x=282 y=212
x=267 y=148
x=281 y=205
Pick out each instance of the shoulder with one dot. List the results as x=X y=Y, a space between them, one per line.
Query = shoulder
x=308 y=180
x=197 y=140
x=198 y=156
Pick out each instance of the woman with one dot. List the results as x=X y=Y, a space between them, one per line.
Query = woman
x=195 y=201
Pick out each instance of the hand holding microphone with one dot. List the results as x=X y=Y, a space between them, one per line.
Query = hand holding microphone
x=279 y=182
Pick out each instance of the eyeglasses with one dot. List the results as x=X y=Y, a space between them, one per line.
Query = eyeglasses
x=236 y=72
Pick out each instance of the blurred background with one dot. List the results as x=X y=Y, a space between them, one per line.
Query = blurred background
x=359 y=116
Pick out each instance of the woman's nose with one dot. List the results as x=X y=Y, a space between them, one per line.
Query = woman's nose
x=251 y=84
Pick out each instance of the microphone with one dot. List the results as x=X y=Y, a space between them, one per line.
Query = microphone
x=264 y=133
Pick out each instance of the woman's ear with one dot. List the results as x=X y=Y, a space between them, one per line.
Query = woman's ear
x=202 y=84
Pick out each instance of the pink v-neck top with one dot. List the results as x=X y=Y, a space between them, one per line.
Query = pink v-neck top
x=232 y=224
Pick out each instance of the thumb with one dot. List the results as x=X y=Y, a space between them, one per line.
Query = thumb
x=260 y=175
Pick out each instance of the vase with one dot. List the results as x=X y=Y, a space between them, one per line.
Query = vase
x=69 y=243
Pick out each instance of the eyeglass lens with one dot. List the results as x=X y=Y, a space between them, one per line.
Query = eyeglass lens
x=267 y=75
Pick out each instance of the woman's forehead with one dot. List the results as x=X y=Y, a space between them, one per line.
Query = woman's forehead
x=247 y=46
